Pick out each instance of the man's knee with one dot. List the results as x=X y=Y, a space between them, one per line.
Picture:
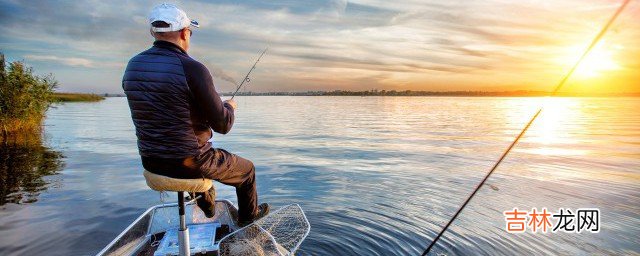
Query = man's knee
x=252 y=171
x=247 y=166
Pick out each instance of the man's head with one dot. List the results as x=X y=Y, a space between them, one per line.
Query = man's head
x=168 y=23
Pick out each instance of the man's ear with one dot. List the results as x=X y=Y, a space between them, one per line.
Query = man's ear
x=184 y=34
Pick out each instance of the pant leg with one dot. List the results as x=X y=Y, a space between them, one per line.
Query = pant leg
x=233 y=170
x=207 y=201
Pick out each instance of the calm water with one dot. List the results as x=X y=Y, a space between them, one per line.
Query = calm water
x=375 y=175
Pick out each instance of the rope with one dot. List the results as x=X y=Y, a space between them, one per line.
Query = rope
x=526 y=127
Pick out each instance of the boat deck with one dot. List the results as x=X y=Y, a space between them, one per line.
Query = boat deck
x=143 y=236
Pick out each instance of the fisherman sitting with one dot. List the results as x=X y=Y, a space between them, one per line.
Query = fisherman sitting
x=175 y=109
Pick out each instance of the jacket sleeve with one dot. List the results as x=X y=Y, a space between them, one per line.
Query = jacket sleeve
x=218 y=114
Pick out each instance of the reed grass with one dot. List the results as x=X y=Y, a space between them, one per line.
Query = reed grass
x=24 y=99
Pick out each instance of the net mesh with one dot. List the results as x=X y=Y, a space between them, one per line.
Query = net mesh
x=279 y=233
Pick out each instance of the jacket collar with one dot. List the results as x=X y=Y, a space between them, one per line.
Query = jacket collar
x=168 y=45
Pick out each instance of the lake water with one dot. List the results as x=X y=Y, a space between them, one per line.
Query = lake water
x=375 y=175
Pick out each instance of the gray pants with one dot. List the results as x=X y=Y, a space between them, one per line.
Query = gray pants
x=232 y=170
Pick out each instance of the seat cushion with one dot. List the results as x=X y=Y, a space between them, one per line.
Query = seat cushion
x=164 y=183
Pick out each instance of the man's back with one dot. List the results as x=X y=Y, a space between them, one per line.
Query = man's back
x=158 y=95
x=172 y=104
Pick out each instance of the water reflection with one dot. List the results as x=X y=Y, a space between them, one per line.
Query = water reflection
x=379 y=179
x=24 y=163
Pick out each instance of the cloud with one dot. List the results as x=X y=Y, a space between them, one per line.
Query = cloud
x=72 y=62
x=413 y=43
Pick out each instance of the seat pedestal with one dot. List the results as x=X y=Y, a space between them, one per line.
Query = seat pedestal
x=183 y=232
x=163 y=183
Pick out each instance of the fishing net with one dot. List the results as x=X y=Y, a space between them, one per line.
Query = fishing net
x=279 y=233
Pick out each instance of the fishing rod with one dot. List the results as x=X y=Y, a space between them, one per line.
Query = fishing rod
x=526 y=127
x=246 y=78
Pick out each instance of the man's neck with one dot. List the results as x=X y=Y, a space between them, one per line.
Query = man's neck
x=176 y=44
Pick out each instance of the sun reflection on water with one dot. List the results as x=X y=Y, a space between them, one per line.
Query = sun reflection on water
x=550 y=131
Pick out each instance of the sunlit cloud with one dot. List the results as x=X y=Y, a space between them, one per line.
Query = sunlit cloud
x=326 y=45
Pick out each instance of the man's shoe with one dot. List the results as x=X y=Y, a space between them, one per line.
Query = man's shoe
x=263 y=210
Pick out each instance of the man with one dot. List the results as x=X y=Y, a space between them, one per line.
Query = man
x=175 y=109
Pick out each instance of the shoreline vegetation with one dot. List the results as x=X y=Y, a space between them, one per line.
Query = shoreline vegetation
x=76 y=97
x=24 y=99
x=519 y=93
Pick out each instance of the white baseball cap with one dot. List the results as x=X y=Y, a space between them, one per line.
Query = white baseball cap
x=171 y=14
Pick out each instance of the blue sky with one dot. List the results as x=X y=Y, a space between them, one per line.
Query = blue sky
x=328 y=45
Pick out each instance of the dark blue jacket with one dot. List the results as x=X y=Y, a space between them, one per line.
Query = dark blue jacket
x=173 y=102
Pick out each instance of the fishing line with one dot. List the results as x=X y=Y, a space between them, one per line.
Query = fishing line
x=526 y=127
x=246 y=78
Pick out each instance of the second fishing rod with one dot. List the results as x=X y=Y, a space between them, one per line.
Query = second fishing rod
x=593 y=43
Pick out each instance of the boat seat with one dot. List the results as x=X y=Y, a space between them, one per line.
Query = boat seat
x=164 y=183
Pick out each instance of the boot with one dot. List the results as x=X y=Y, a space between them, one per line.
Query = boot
x=263 y=210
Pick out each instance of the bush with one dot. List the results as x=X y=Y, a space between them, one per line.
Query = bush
x=24 y=97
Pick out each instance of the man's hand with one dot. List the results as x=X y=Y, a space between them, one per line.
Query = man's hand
x=232 y=103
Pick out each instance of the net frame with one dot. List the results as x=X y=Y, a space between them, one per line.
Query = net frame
x=279 y=233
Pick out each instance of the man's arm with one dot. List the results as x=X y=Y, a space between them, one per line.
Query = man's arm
x=219 y=115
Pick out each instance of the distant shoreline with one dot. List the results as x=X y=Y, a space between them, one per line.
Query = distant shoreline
x=418 y=93
x=436 y=94
x=76 y=97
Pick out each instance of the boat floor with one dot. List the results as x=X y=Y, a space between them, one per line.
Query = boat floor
x=143 y=236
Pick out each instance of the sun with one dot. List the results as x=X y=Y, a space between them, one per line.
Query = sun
x=599 y=61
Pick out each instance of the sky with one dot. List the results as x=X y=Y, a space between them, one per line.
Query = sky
x=489 y=45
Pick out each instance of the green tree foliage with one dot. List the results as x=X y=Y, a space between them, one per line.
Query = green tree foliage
x=24 y=97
